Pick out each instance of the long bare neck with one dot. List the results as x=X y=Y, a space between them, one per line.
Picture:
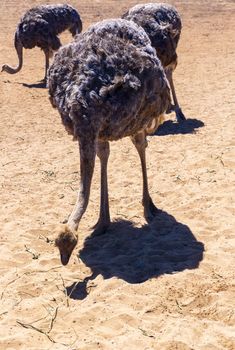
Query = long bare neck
x=19 y=50
x=10 y=70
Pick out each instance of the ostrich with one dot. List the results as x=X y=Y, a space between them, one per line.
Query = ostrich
x=163 y=25
x=40 y=27
x=106 y=85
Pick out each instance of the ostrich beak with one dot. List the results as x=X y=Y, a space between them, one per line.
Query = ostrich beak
x=64 y=258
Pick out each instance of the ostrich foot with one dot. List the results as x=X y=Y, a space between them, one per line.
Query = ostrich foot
x=150 y=211
x=66 y=241
x=43 y=81
x=100 y=227
x=179 y=114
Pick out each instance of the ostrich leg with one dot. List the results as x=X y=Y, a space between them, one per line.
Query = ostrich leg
x=68 y=237
x=179 y=114
x=139 y=140
x=104 y=217
x=47 y=54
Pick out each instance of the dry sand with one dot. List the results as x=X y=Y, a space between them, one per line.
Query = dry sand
x=167 y=285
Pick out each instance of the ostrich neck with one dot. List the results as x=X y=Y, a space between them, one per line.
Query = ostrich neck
x=12 y=70
x=19 y=50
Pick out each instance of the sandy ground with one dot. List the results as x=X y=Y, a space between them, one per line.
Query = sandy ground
x=167 y=285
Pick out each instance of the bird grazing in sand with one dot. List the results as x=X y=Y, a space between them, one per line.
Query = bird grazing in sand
x=106 y=85
x=163 y=25
x=40 y=27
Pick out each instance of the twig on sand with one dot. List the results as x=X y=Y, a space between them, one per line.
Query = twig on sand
x=73 y=289
x=65 y=291
x=53 y=320
x=29 y=250
x=145 y=333
x=46 y=333
x=46 y=239
x=9 y=283
x=177 y=303
x=26 y=274
x=71 y=292
x=30 y=326
x=13 y=161
x=4 y=313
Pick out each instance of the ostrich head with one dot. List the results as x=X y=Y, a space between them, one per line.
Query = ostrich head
x=66 y=241
x=9 y=69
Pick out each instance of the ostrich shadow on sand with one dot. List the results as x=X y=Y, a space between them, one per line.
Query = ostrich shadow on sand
x=188 y=126
x=39 y=85
x=137 y=254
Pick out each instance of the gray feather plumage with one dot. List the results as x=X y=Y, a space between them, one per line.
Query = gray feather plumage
x=109 y=83
x=40 y=26
x=163 y=25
